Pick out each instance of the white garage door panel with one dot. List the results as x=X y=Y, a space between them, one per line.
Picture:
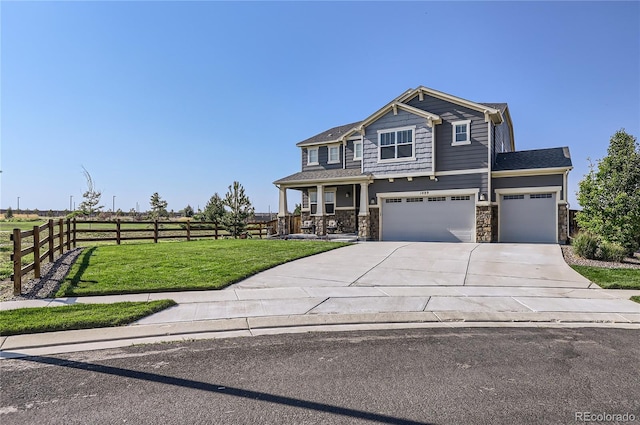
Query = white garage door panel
x=419 y=219
x=528 y=218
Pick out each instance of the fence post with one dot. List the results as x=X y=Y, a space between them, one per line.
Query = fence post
x=75 y=235
x=155 y=231
x=17 y=262
x=61 y=236
x=36 y=251
x=69 y=234
x=215 y=226
x=188 y=230
x=118 y=231
x=260 y=230
x=51 y=240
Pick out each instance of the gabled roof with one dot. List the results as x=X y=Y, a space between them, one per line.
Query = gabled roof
x=499 y=106
x=323 y=175
x=332 y=135
x=537 y=158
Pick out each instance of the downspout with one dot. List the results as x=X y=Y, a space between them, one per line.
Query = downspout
x=344 y=154
x=489 y=158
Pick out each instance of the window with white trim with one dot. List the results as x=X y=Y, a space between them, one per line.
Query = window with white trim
x=357 y=150
x=508 y=197
x=313 y=202
x=415 y=199
x=461 y=198
x=437 y=198
x=334 y=154
x=541 y=196
x=396 y=144
x=329 y=202
x=393 y=200
x=461 y=133
x=312 y=156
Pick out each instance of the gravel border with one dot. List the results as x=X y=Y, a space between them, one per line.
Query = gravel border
x=52 y=276
x=573 y=260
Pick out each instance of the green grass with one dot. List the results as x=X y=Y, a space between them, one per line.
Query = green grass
x=179 y=266
x=8 y=226
x=76 y=316
x=636 y=299
x=611 y=278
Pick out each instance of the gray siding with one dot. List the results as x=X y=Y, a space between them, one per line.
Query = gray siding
x=502 y=139
x=323 y=156
x=422 y=144
x=462 y=157
x=464 y=181
x=527 y=181
x=349 y=155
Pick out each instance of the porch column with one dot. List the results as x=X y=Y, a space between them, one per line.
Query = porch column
x=282 y=212
x=364 y=199
x=320 y=199
x=282 y=205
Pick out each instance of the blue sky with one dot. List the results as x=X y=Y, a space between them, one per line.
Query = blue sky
x=184 y=98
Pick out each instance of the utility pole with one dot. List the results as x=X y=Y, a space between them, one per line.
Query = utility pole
x=113 y=205
x=18 y=204
x=70 y=199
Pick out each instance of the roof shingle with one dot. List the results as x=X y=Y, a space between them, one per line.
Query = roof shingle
x=537 y=158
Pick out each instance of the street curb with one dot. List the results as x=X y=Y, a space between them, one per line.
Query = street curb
x=96 y=339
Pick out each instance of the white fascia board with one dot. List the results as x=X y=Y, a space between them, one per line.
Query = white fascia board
x=530 y=172
x=461 y=172
x=521 y=190
x=432 y=118
x=403 y=175
x=450 y=192
x=326 y=182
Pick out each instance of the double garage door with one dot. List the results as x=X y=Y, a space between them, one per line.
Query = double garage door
x=529 y=217
x=429 y=218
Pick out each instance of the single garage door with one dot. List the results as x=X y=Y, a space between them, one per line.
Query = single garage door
x=529 y=217
x=429 y=218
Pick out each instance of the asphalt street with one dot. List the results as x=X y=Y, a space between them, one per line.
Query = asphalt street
x=426 y=376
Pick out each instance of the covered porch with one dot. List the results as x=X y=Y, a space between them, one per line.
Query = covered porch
x=332 y=206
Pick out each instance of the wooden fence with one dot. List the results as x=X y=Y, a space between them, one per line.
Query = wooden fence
x=65 y=234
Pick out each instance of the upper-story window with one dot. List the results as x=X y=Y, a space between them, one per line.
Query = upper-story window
x=334 y=154
x=396 y=144
x=461 y=133
x=312 y=156
x=357 y=150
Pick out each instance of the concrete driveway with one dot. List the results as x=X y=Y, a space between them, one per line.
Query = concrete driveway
x=426 y=264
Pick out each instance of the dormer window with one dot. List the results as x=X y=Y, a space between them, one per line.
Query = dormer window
x=312 y=156
x=461 y=133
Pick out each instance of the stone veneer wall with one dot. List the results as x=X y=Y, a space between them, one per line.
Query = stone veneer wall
x=320 y=223
x=364 y=222
x=563 y=224
x=282 y=226
x=346 y=220
x=374 y=224
x=484 y=220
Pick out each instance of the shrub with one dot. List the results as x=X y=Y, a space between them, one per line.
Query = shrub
x=611 y=251
x=586 y=245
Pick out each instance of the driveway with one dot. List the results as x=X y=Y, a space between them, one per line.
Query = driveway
x=426 y=264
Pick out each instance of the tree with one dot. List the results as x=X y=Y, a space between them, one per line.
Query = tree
x=238 y=202
x=158 y=206
x=8 y=213
x=91 y=196
x=297 y=210
x=610 y=195
x=214 y=210
x=188 y=211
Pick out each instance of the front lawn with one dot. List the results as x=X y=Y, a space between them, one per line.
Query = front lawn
x=179 y=266
x=611 y=278
x=76 y=316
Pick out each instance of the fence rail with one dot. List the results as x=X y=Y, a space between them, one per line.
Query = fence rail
x=65 y=234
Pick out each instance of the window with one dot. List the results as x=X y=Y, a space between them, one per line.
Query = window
x=329 y=202
x=507 y=197
x=312 y=156
x=437 y=199
x=393 y=200
x=415 y=199
x=313 y=202
x=334 y=154
x=461 y=133
x=461 y=198
x=357 y=150
x=540 y=196
x=396 y=144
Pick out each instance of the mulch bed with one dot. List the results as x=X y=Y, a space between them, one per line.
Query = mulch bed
x=573 y=260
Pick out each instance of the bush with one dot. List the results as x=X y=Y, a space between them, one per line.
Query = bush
x=586 y=245
x=610 y=251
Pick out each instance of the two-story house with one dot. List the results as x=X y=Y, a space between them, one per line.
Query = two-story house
x=429 y=166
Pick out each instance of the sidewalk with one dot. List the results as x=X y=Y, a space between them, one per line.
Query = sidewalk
x=364 y=286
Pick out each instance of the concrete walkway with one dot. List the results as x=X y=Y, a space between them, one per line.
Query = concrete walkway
x=367 y=285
